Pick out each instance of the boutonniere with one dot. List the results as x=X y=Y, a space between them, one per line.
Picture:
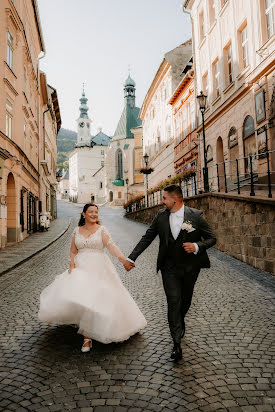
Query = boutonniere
x=187 y=225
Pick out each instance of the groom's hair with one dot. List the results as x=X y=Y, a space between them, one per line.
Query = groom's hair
x=174 y=189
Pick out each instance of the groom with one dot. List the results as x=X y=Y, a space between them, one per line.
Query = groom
x=184 y=237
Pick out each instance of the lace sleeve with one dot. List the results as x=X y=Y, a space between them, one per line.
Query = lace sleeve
x=73 y=248
x=111 y=246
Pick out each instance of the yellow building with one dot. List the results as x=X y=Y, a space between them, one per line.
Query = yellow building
x=21 y=43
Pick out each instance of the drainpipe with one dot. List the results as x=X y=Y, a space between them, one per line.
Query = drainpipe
x=39 y=127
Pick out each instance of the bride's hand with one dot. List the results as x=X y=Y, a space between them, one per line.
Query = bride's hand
x=72 y=266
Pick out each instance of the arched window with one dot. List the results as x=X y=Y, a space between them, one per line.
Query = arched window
x=209 y=153
x=248 y=127
x=119 y=164
x=232 y=137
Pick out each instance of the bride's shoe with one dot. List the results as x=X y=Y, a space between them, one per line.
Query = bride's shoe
x=86 y=348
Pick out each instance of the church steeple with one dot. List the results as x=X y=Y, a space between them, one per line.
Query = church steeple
x=83 y=106
x=83 y=123
x=130 y=92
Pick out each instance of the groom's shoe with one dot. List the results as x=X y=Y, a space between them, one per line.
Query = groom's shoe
x=183 y=329
x=177 y=352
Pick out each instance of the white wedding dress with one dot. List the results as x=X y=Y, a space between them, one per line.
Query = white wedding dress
x=92 y=296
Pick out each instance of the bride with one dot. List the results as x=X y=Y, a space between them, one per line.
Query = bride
x=90 y=294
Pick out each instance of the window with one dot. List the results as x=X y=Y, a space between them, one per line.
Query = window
x=228 y=64
x=248 y=127
x=119 y=164
x=100 y=185
x=159 y=143
x=102 y=163
x=9 y=119
x=209 y=154
x=10 y=51
x=178 y=130
x=212 y=11
x=31 y=147
x=201 y=22
x=192 y=115
x=216 y=79
x=243 y=48
x=232 y=137
x=223 y=2
x=205 y=86
x=270 y=17
x=102 y=152
x=184 y=123
x=25 y=80
x=25 y=137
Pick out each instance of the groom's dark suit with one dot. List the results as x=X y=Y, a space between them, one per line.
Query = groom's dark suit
x=179 y=269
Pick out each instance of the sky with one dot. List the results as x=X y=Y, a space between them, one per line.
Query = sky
x=96 y=41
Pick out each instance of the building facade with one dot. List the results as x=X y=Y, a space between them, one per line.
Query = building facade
x=186 y=142
x=156 y=113
x=21 y=44
x=50 y=123
x=234 y=56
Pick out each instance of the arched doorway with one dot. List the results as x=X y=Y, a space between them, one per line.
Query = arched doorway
x=11 y=209
x=233 y=153
x=220 y=161
x=111 y=196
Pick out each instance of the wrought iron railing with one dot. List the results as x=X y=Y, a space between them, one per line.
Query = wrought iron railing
x=249 y=175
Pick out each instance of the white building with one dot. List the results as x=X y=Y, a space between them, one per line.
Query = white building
x=156 y=113
x=63 y=187
x=86 y=159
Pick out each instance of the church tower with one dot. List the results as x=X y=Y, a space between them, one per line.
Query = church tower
x=83 y=123
x=130 y=92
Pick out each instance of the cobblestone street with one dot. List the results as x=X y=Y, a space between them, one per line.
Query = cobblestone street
x=228 y=350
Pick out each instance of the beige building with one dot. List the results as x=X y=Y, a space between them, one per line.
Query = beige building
x=21 y=43
x=156 y=113
x=50 y=123
x=234 y=56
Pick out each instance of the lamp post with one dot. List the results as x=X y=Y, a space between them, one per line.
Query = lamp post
x=127 y=181
x=146 y=159
x=202 y=103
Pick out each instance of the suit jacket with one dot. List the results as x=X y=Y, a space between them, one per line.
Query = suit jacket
x=202 y=235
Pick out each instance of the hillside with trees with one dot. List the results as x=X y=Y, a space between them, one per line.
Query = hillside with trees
x=66 y=140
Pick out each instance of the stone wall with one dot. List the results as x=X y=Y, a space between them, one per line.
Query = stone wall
x=244 y=226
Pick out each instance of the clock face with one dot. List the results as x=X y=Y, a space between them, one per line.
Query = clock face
x=81 y=124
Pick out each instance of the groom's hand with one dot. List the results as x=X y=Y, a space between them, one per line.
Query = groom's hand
x=128 y=265
x=189 y=247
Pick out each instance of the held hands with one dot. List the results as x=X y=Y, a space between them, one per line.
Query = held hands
x=189 y=247
x=128 y=265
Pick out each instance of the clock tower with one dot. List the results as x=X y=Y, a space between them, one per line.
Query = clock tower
x=83 y=123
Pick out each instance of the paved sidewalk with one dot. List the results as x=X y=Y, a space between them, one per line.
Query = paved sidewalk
x=13 y=256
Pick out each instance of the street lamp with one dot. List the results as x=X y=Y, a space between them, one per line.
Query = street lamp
x=146 y=159
x=202 y=103
x=127 y=181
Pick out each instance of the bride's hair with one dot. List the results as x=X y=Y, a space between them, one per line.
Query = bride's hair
x=82 y=218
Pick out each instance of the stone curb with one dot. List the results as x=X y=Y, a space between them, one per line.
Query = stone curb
x=64 y=230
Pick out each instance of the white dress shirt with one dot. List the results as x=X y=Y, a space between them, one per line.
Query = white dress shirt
x=176 y=220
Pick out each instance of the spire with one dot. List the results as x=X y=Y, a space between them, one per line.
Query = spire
x=83 y=105
x=130 y=91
